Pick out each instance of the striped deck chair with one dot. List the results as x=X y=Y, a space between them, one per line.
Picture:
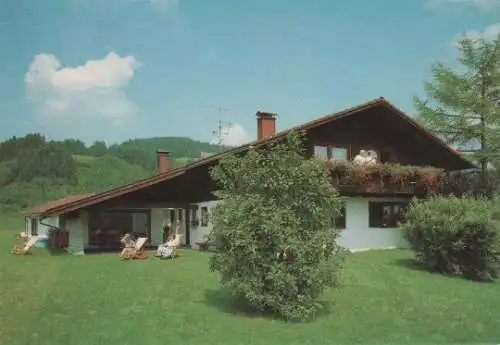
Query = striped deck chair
x=24 y=249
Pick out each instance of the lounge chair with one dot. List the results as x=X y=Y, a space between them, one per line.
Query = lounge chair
x=139 y=252
x=24 y=249
x=135 y=252
x=128 y=247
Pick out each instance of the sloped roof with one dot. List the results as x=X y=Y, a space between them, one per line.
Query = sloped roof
x=72 y=205
x=38 y=210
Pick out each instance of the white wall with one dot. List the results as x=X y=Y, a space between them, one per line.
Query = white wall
x=359 y=236
x=78 y=233
x=356 y=236
x=43 y=229
x=198 y=232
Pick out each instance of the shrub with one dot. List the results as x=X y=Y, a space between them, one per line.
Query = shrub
x=455 y=235
x=275 y=246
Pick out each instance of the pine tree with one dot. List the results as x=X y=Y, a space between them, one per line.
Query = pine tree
x=463 y=105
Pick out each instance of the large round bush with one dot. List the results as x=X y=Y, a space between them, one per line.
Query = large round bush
x=455 y=235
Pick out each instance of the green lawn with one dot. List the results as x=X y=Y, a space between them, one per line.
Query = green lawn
x=96 y=299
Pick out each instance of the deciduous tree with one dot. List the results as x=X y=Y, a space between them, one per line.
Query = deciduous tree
x=273 y=232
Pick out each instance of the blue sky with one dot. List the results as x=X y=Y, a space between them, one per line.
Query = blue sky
x=117 y=69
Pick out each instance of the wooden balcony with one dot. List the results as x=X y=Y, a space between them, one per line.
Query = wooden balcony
x=395 y=179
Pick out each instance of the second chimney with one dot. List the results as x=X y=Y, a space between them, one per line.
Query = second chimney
x=266 y=125
x=162 y=161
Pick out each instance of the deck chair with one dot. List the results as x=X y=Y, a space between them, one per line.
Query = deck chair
x=141 y=241
x=134 y=252
x=138 y=249
x=24 y=249
x=129 y=244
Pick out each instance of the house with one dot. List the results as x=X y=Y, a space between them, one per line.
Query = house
x=184 y=196
x=35 y=225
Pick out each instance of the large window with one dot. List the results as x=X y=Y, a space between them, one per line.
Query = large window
x=331 y=152
x=339 y=153
x=386 y=214
x=107 y=227
x=321 y=152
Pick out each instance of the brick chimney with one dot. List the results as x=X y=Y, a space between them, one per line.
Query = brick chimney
x=266 y=125
x=162 y=161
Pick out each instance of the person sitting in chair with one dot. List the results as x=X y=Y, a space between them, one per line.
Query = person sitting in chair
x=165 y=250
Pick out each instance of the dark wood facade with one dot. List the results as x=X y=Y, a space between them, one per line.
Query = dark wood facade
x=393 y=138
x=395 y=141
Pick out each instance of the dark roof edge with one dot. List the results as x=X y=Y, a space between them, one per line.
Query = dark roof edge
x=137 y=185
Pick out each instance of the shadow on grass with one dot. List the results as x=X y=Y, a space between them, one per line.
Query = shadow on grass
x=58 y=252
x=413 y=264
x=228 y=304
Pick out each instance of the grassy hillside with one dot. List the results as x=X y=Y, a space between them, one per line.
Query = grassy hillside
x=33 y=170
x=143 y=151
x=96 y=174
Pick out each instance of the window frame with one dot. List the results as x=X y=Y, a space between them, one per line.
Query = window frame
x=394 y=217
x=204 y=218
x=329 y=151
x=34 y=226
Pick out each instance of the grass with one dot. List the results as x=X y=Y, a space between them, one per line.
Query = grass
x=96 y=299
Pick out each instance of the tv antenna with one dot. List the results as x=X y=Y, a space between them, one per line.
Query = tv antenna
x=222 y=128
x=221 y=132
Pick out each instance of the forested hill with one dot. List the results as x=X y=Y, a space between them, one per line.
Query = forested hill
x=33 y=169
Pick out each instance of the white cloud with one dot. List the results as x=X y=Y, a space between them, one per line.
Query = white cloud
x=489 y=33
x=479 y=4
x=233 y=135
x=92 y=91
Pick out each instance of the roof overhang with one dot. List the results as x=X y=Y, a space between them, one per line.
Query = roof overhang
x=462 y=163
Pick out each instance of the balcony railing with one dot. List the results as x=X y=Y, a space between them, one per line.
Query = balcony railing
x=386 y=178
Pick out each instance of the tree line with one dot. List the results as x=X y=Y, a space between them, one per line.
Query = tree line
x=34 y=169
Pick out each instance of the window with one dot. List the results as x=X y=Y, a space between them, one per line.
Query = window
x=171 y=216
x=34 y=226
x=331 y=152
x=340 y=221
x=339 y=153
x=194 y=217
x=321 y=152
x=386 y=214
x=204 y=216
